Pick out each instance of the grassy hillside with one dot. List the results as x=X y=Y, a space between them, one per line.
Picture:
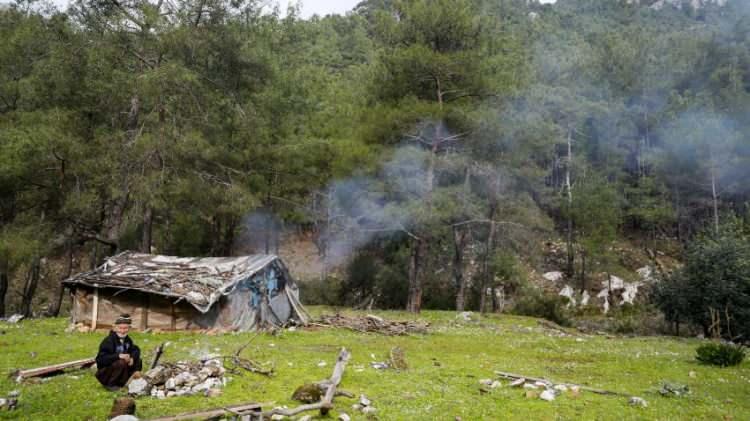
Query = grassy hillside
x=442 y=382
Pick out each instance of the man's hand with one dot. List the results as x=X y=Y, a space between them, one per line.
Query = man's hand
x=126 y=357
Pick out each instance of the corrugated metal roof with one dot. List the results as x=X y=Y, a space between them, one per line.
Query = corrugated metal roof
x=198 y=280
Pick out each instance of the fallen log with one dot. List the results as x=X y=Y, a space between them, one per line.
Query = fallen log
x=326 y=403
x=20 y=375
x=234 y=410
x=539 y=379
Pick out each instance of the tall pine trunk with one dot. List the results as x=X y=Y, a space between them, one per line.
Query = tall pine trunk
x=29 y=289
x=459 y=242
x=489 y=250
x=414 y=303
x=3 y=285
x=569 y=243
x=53 y=310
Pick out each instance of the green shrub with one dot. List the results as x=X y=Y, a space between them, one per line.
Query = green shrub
x=550 y=307
x=721 y=354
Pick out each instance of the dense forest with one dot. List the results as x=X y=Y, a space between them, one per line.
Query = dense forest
x=431 y=145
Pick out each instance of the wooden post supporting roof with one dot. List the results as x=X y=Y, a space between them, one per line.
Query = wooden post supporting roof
x=95 y=307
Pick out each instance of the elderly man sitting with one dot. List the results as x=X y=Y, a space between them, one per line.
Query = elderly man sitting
x=118 y=358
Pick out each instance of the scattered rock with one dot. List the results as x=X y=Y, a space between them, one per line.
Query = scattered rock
x=307 y=393
x=517 y=383
x=486 y=382
x=306 y=418
x=379 y=365
x=547 y=395
x=636 y=401
x=561 y=388
x=124 y=418
x=277 y=417
x=344 y=417
x=465 y=316
x=14 y=318
x=3 y=401
x=672 y=389
x=364 y=401
x=356 y=407
x=138 y=387
x=369 y=410
x=553 y=276
x=530 y=386
x=692 y=374
x=495 y=384
x=322 y=364
x=532 y=394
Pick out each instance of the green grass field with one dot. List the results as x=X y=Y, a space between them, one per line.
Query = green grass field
x=442 y=381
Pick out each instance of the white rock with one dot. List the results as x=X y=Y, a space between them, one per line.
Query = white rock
x=530 y=386
x=541 y=384
x=138 y=387
x=636 y=401
x=465 y=315
x=486 y=382
x=568 y=293
x=356 y=407
x=561 y=388
x=277 y=417
x=344 y=417
x=495 y=384
x=170 y=384
x=3 y=402
x=206 y=385
x=646 y=273
x=364 y=401
x=575 y=389
x=379 y=365
x=15 y=318
x=553 y=276
x=585 y=297
x=547 y=395
x=322 y=364
x=615 y=282
x=369 y=410
x=185 y=378
x=517 y=382
x=160 y=394
x=630 y=292
x=124 y=418
x=306 y=418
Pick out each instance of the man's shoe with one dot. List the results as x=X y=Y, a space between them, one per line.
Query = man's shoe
x=113 y=388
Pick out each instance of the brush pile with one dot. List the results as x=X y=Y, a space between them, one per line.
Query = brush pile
x=180 y=379
x=374 y=324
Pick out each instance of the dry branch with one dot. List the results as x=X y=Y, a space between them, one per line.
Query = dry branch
x=20 y=375
x=371 y=323
x=157 y=355
x=243 y=409
x=326 y=403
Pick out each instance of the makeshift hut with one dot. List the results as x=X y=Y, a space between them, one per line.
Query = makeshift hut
x=179 y=293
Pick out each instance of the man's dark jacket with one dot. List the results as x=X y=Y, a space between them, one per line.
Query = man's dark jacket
x=111 y=348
